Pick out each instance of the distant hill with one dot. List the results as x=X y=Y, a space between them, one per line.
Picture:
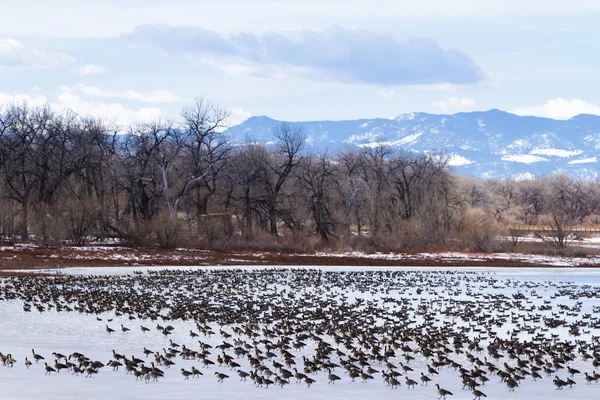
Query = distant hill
x=492 y=143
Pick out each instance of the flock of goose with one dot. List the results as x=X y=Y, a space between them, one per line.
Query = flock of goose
x=288 y=326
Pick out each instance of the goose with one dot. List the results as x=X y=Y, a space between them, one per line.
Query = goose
x=90 y=371
x=309 y=381
x=124 y=329
x=478 y=394
x=49 y=369
x=58 y=366
x=186 y=374
x=332 y=377
x=109 y=330
x=37 y=357
x=27 y=363
x=425 y=379
x=242 y=374
x=76 y=370
x=443 y=392
x=144 y=329
x=410 y=382
x=220 y=376
x=196 y=372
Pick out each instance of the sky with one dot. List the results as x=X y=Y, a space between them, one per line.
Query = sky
x=136 y=61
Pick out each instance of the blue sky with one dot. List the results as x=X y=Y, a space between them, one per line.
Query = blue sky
x=131 y=60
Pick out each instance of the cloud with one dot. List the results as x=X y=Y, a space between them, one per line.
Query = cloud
x=336 y=54
x=454 y=104
x=19 y=98
x=386 y=94
x=155 y=96
x=121 y=114
x=89 y=69
x=237 y=115
x=15 y=54
x=559 y=109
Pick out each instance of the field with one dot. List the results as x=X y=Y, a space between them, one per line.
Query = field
x=499 y=324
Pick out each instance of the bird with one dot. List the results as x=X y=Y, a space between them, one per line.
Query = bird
x=186 y=374
x=220 y=376
x=36 y=357
x=48 y=369
x=443 y=392
x=109 y=330
x=478 y=394
x=332 y=377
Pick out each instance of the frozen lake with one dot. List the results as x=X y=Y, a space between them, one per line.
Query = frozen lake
x=520 y=320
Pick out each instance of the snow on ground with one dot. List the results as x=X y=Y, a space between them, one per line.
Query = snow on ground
x=66 y=332
x=449 y=256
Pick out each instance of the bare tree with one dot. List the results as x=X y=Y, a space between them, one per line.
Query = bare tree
x=290 y=140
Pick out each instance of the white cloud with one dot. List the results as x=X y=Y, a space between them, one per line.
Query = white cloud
x=89 y=69
x=122 y=114
x=386 y=94
x=458 y=161
x=18 y=98
x=559 y=109
x=335 y=54
x=523 y=158
x=15 y=54
x=584 y=161
x=454 y=104
x=237 y=115
x=155 y=96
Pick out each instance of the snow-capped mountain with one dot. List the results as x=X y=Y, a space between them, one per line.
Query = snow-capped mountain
x=492 y=143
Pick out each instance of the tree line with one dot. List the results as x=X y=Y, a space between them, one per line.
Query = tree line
x=71 y=179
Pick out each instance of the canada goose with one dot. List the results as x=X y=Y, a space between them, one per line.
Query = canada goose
x=27 y=363
x=76 y=370
x=89 y=371
x=590 y=378
x=124 y=329
x=443 y=392
x=147 y=352
x=144 y=329
x=332 y=377
x=109 y=330
x=220 y=376
x=478 y=394
x=207 y=362
x=425 y=379
x=242 y=374
x=186 y=374
x=196 y=372
x=37 y=357
x=58 y=356
x=559 y=383
x=410 y=382
x=49 y=369
x=309 y=381
x=58 y=366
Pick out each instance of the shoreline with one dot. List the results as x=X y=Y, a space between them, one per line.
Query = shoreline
x=31 y=257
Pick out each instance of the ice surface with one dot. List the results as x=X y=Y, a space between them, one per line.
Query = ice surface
x=66 y=332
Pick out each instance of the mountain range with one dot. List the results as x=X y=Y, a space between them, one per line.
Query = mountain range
x=486 y=144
